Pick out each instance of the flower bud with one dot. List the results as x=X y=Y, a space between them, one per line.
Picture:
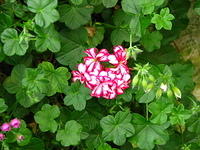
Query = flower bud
x=169 y=93
x=149 y=87
x=135 y=81
x=5 y=127
x=158 y=93
x=151 y=78
x=20 y=137
x=15 y=123
x=177 y=92
x=2 y=136
x=144 y=83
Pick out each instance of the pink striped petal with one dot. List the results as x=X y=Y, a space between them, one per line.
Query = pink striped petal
x=91 y=52
x=82 y=68
x=113 y=60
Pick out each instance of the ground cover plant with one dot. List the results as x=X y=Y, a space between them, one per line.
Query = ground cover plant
x=96 y=75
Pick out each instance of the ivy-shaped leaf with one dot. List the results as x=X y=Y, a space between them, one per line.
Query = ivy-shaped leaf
x=163 y=20
x=13 y=83
x=179 y=115
x=109 y=3
x=96 y=35
x=151 y=40
x=46 y=118
x=77 y=2
x=159 y=110
x=47 y=38
x=26 y=97
x=45 y=11
x=13 y=43
x=57 y=77
x=131 y=6
x=77 y=95
x=194 y=124
x=2 y=55
x=73 y=45
x=105 y=146
x=73 y=16
x=27 y=136
x=71 y=134
x=35 y=81
x=3 y=106
x=5 y=21
x=147 y=134
x=117 y=128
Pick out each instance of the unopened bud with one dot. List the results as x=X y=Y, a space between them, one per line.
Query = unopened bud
x=158 y=93
x=149 y=87
x=144 y=83
x=2 y=136
x=169 y=93
x=177 y=92
x=135 y=81
x=20 y=137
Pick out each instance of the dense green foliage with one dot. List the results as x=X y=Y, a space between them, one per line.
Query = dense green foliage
x=42 y=41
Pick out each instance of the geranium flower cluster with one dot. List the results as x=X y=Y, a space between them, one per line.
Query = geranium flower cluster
x=104 y=82
x=5 y=127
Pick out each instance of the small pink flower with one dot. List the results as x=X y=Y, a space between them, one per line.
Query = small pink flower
x=15 y=123
x=5 y=127
x=20 y=137
x=2 y=136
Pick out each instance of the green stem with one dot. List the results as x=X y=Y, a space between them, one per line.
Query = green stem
x=147 y=112
x=131 y=39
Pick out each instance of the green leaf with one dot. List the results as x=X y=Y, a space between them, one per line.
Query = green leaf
x=131 y=6
x=46 y=118
x=109 y=3
x=73 y=16
x=147 y=134
x=47 y=38
x=147 y=97
x=160 y=110
x=72 y=47
x=97 y=38
x=35 y=143
x=13 y=83
x=71 y=135
x=26 y=97
x=117 y=128
x=105 y=146
x=34 y=87
x=27 y=136
x=5 y=22
x=151 y=41
x=179 y=115
x=2 y=55
x=3 y=106
x=57 y=77
x=163 y=20
x=77 y=95
x=35 y=81
x=13 y=43
x=77 y=2
x=194 y=124
x=118 y=36
x=135 y=26
x=45 y=11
